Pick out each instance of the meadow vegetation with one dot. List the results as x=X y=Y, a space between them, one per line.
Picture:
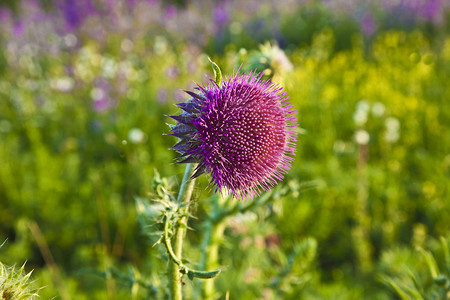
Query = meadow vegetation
x=363 y=213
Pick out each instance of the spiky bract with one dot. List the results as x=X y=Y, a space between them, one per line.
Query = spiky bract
x=15 y=284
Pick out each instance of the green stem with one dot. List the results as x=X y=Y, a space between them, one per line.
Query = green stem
x=212 y=228
x=184 y=196
x=178 y=219
x=211 y=259
x=191 y=273
x=187 y=185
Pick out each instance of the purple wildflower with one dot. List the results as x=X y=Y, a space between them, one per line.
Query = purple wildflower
x=75 y=12
x=162 y=95
x=18 y=28
x=171 y=11
x=240 y=132
x=5 y=14
x=430 y=9
x=172 y=72
x=220 y=14
x=101 y=96
x=368 y=24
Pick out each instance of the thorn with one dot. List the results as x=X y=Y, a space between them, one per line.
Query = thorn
x=198 y=171
x=190 y=159
x=157 y=242
x=197 y=96
x=182 y=119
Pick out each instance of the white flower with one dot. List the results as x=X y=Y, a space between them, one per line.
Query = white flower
x=392 y=133
x=363 y=105
x=362 y=137
x=62 y=84
x=97 y=94
x=136 y=136
x=361 y=114
x=70 y=40
x=360 y=117
x=109 y=67
x=378 y=109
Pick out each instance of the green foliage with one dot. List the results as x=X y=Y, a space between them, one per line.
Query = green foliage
x=418 y=273
x=348 y=211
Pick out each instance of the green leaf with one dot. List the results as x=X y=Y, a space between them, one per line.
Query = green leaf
x=398 y=289
x=217 y=72
x=431 y=262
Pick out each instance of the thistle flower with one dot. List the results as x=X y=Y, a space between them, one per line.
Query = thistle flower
x=15 y=284
x=240 y=131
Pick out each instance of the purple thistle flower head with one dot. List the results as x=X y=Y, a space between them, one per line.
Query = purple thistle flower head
x=240 y=131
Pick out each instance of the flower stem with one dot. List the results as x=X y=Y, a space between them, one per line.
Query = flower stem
x=211 y=259
x=184 y=196
x=213 y=229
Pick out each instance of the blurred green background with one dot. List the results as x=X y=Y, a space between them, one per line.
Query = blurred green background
x=85 y=91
